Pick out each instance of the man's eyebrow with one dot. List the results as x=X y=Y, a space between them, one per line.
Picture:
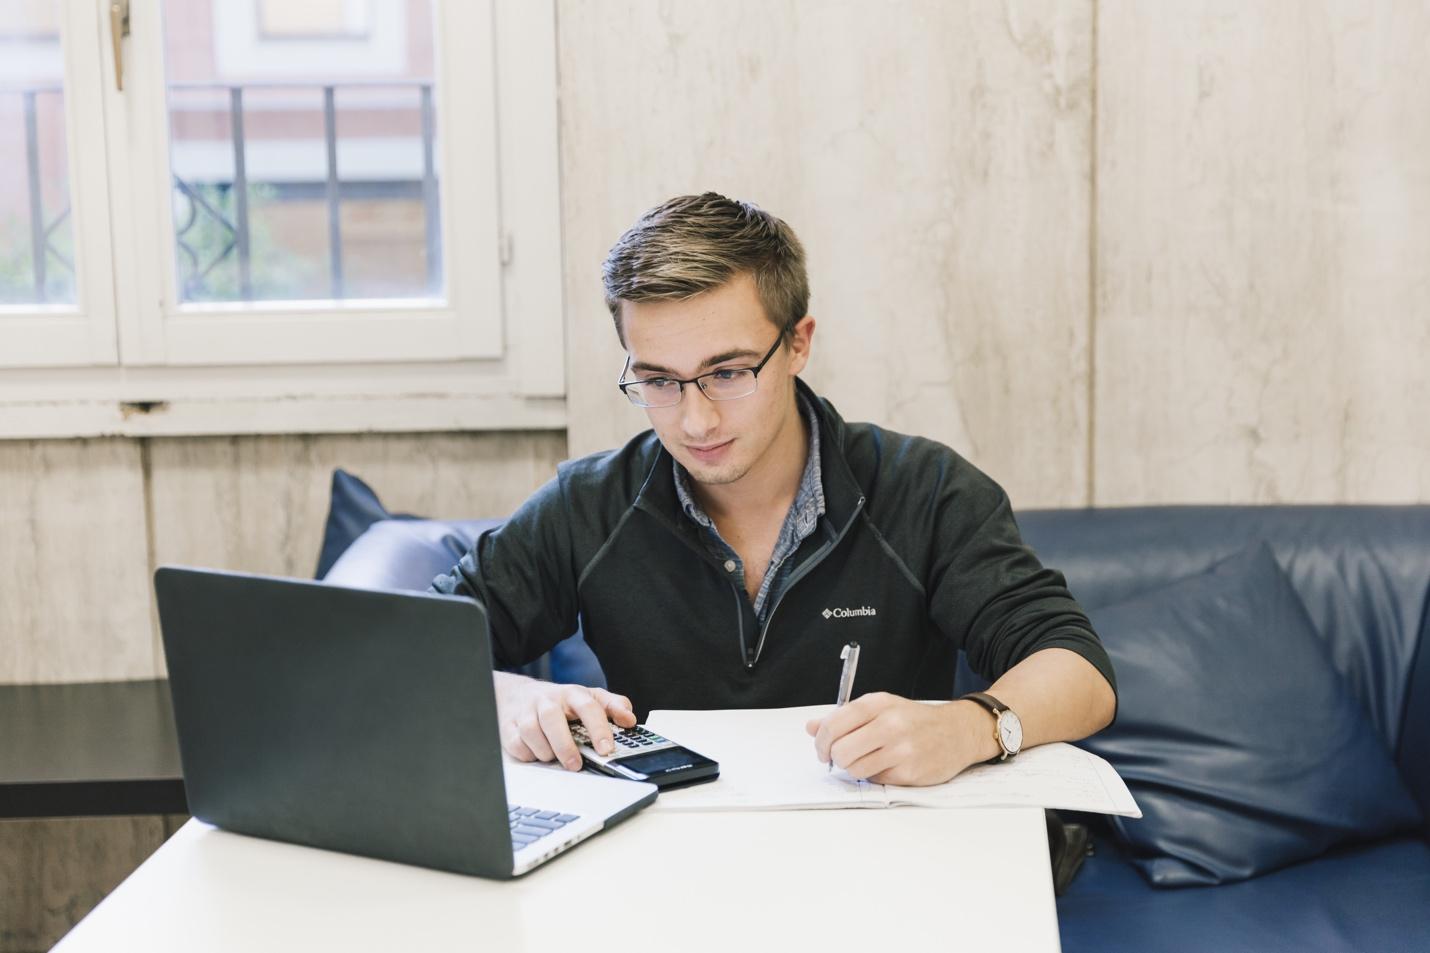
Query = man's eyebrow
x=721 y=358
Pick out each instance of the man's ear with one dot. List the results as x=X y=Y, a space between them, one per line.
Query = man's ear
x=799 y=347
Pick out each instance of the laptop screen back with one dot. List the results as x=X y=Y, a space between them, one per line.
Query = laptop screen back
x=348 y=719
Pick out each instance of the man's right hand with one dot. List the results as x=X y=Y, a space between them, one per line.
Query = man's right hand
x=534 y=718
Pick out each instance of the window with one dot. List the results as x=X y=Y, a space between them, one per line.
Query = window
x=289 y=217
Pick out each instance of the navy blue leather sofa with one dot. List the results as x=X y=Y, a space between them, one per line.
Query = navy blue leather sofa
x=1363 y=575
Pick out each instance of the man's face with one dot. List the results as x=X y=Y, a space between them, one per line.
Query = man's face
x=718 y=442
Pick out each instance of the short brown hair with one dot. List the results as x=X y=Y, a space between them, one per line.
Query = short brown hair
x=693 y=243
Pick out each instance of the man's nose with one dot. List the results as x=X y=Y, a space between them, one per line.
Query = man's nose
x=698 y=414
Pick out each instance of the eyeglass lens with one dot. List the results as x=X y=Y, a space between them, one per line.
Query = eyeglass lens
x=717 y=385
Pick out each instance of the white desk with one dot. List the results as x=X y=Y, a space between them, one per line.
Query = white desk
x=905 y=878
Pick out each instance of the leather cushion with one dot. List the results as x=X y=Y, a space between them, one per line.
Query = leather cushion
x=1362 y=572
x=352 y=508
x=405 y=554
x=1244 y=748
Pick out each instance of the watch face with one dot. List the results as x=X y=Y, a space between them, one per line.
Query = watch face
x=1010 y=731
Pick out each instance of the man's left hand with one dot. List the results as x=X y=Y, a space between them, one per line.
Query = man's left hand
x=892 y=740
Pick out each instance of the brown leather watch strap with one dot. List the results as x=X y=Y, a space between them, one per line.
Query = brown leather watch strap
x=996 y=708
x=987 y=701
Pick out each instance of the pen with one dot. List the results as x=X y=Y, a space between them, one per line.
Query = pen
x=850 y=655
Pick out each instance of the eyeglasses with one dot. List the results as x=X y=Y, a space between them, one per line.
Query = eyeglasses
x=728 y=383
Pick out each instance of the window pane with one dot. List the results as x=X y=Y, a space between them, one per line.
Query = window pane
x=312 y=18
x=36 y=238
x=303 y=149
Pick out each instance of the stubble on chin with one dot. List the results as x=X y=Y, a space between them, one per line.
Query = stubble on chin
x=714 y=476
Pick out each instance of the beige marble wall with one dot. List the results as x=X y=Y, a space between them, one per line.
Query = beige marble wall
x=1260 y=207
x=934 y=158
x=54 y=871
x=259 y=503
x=74 y=602
x=1263 y=252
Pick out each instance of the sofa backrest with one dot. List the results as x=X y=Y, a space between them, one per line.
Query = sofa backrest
x=1363 y=573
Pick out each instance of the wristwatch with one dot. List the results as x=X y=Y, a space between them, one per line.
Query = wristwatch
x=1007 y=729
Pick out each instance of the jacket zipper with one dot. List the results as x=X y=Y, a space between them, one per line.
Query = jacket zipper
x=795 y=577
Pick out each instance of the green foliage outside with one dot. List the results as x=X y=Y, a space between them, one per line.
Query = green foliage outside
x=276 y=272
x=17 y=273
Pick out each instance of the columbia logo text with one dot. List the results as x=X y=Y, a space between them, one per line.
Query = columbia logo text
x=848 y=613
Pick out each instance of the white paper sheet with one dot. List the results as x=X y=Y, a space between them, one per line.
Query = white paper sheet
x=767 y=762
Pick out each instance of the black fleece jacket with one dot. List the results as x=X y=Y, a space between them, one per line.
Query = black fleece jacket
x=916 y=558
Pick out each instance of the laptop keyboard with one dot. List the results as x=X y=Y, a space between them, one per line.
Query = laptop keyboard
x=530 y=824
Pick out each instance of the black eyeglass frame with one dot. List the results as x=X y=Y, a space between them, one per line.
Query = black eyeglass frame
x=699 y=379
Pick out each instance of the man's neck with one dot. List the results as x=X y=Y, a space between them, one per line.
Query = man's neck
x=771 y=485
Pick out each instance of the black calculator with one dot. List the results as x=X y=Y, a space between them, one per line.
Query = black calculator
x=643 y=755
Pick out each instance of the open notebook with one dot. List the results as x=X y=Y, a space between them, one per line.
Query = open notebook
x=768 y=762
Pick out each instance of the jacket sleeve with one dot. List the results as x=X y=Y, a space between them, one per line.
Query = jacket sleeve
x=522 y=573
x=989 y=593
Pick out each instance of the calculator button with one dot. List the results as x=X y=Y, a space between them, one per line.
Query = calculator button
x=546 y=815
x=567 y=818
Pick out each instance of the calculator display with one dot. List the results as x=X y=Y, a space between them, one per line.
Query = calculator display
x=654 y=762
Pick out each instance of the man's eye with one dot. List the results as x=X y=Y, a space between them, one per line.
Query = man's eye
x=659 y=383
x=727 y=374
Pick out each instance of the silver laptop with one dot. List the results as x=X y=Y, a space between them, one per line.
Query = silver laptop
x=361 y=721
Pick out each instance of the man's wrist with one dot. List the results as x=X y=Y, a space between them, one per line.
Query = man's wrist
x=973 y=730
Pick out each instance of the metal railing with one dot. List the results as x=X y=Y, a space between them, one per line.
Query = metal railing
x=42 y=231
x=238 y=228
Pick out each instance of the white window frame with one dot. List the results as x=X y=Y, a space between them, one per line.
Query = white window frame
x=83 y=332
x=490 y=357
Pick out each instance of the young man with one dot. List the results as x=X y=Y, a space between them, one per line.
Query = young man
x=724 y=558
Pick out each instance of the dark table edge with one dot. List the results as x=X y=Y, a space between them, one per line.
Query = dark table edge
x=41 y=799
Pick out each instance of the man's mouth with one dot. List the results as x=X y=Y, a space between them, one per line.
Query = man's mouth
x=709 y=451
